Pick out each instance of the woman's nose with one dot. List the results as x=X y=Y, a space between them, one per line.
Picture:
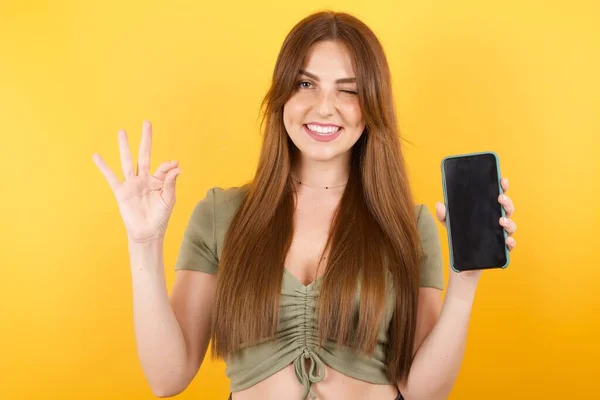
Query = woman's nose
x=326 y=104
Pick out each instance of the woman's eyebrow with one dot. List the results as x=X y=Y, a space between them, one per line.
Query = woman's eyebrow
x=316 y=78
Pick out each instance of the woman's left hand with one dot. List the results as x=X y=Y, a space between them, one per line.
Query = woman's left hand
x=507 y=222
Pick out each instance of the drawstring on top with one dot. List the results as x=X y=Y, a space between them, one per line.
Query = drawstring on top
x=307 y=379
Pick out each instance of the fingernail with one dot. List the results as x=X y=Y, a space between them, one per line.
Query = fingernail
x=503 y=197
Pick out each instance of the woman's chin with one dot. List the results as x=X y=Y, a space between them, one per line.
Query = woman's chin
x=322 y=154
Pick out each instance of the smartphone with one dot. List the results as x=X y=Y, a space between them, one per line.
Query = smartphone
x=471 y=185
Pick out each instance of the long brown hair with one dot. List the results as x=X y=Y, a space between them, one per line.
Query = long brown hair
x=374 y=228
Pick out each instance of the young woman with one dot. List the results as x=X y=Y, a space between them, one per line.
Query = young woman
x=320 y=278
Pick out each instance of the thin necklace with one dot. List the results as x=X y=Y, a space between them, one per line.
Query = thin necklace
x=326 y=187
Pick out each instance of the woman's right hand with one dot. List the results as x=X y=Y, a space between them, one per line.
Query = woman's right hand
x=145 y=201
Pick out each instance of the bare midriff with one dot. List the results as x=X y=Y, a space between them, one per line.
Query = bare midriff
x=284 y=385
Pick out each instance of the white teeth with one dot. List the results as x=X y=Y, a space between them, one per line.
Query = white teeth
x=324 y=130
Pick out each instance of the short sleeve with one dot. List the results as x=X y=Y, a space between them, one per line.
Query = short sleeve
x=198 y=249
x=432 y=274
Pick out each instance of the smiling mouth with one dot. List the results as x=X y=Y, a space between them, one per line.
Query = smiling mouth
x=324 y=134
x=323 y=130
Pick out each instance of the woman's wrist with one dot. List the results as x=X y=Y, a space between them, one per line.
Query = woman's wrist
x=462 y=286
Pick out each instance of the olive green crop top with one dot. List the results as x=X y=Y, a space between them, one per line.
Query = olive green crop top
x=297 y=330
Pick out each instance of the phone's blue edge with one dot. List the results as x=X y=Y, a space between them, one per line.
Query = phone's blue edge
x=448 y=223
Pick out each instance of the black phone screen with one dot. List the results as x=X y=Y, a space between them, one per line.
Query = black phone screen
x=472 y=188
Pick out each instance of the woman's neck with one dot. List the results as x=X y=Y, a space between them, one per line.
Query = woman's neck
x=321 y=174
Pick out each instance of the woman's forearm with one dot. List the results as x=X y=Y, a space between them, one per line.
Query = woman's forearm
x=438 y=360
x=160 y=343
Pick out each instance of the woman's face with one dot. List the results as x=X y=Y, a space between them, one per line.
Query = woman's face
x=323 y=116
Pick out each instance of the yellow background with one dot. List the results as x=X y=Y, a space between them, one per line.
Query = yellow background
x=518 y=77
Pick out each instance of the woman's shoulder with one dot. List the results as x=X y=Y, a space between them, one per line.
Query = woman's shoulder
x=217 y=207
x=431 y=274
x=425 y=218
x=226 y=200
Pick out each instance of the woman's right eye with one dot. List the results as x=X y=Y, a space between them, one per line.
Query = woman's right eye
x=303 y=87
